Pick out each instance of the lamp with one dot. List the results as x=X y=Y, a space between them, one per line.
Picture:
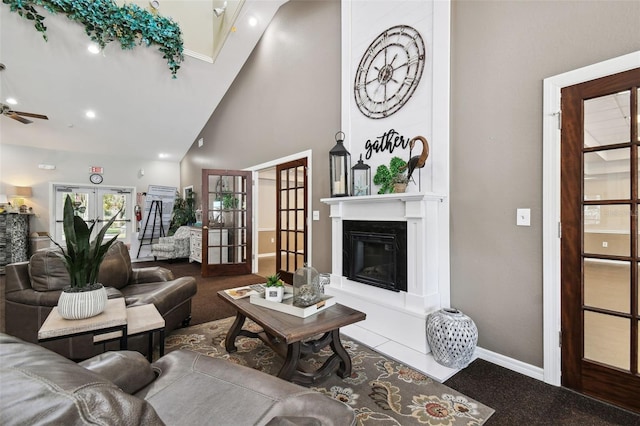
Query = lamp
x=20 y=193
x=339 y=166
x=219 y=11
x=361 y=178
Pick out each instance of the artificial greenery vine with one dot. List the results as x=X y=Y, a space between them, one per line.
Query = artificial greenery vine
x=104 y=21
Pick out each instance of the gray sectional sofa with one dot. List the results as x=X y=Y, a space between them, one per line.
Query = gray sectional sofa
x=40 y=387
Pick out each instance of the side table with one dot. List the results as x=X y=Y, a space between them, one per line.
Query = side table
x=146 y=319
x=111 y=322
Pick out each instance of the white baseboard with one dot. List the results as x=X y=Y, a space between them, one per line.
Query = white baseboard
x=510 y=363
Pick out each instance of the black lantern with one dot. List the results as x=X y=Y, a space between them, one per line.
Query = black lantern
x=339 y=166
x=361 y=178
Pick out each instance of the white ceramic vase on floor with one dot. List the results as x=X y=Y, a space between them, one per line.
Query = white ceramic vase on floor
x=452 y=337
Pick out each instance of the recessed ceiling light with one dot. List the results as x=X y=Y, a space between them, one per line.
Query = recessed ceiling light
x=90 y=114
x=12 y=101
x=163 y=155
x=93 y=48
x=253 y=21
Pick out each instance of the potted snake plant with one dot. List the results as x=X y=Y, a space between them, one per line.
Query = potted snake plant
x=84 y=297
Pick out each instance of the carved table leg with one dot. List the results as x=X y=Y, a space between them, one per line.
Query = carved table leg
x=345 y=360
x=234 y=331
x=291 y=362
x=339 y=361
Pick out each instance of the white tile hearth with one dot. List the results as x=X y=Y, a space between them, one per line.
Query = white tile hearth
x=425 y=363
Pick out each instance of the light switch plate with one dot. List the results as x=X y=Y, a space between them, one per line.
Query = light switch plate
x=316 y=215
x=523 y=217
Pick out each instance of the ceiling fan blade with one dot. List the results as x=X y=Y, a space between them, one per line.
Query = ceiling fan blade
x=29 y=114
x=17 y=117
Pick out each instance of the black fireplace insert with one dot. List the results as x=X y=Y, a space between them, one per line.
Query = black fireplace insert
x=375 y=253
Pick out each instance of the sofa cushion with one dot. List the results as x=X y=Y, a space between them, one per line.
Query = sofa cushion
x=48 y=271
x=129 y=370
x=182 y=394
x=42 y=387
x=115 y=270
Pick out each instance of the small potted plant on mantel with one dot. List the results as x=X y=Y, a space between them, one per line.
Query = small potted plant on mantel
x=392 y=178
x=85 y=297
x=274 y=290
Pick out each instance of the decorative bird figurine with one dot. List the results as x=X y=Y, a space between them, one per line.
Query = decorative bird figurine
x=417 y=162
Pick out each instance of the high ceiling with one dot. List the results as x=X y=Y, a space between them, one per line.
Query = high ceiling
x=140 y=110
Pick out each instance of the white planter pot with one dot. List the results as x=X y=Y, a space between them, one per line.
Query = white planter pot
x=274 y=294
x=82 y=304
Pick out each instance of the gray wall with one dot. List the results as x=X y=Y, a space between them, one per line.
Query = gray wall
x=501 y=52
x=287 y=99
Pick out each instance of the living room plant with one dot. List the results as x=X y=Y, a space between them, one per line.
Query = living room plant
x=104 y=21
x=274 y=290
x=84 y=297
x=388 y=177
x=184 y=212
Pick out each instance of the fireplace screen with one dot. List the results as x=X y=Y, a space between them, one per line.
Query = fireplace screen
x=375 y=253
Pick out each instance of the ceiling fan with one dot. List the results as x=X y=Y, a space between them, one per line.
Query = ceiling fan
x=19 y=115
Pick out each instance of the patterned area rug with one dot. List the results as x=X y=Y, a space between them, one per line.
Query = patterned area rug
x=380 y=390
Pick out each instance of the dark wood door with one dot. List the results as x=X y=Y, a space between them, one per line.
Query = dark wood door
x=599 y=248
x=291 y=220
x=227 y=224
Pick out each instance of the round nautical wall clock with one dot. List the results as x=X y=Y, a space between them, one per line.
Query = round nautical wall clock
x=389 y=71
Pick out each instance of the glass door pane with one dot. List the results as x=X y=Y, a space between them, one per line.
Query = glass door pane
x=226 y=249
x=291 y=194
x=609 y=263
x=84 y=206
x=114 y=202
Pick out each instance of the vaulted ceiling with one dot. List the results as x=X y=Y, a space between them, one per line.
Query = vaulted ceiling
x=140 y=110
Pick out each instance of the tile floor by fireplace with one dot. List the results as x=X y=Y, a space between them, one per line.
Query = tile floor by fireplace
x=426 y=364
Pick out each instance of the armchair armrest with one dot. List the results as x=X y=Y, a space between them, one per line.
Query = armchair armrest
x=31 y=297
x=151 y=275
x=128 y=370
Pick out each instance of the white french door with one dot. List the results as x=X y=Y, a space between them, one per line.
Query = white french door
x=96 y=204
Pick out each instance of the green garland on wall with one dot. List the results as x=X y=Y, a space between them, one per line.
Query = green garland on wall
x=104 y=21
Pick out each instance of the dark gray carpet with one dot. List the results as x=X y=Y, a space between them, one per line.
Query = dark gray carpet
x=521 y=400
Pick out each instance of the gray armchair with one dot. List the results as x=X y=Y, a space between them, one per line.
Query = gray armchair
x=173 y=247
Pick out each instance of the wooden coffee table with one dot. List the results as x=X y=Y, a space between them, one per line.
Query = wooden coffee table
x=291 y=337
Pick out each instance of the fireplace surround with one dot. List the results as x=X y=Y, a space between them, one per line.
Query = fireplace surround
x=375 y=253
x=397 y=316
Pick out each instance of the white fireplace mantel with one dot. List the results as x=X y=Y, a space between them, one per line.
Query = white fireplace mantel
x=397 y=316
x=382 y=198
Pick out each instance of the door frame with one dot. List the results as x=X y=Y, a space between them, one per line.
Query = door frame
x=551 y=231
x=272 y=164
